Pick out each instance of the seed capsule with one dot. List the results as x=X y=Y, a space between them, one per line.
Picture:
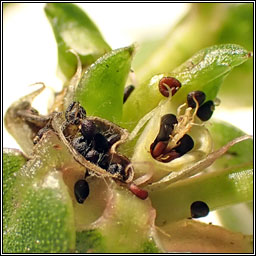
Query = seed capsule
x=113 y=138
x=195 y=95
x=88 y=128
x=81 y=190
x=127 y=91
x=168 y=82
x=186 y=144
x=199 y=209
x=206 y=110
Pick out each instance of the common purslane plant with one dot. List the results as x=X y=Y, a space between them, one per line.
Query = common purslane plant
x=105 y=172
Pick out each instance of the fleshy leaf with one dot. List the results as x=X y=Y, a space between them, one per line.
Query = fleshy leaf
x=73 y=29
x=204 y=71
x=100 y=90
x=222 y=133
x=188 y=236
x=13 y=160
x=119 y=224
x=42 y=213
x=220 y=188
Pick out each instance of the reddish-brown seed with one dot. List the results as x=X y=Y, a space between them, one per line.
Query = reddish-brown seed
x=170 y=82
x=170 y=156
x=140 y=193
x=158 y=149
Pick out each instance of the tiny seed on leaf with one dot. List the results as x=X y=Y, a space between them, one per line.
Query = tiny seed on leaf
x=168 y=82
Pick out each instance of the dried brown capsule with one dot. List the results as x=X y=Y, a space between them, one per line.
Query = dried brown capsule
x=198 y=96
x=167 y=84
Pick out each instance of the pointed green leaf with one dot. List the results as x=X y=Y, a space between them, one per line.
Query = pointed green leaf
x=204 y=71
x=73 y=29
x=100 y=90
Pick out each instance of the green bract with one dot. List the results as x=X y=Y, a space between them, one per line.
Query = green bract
x=40 y=211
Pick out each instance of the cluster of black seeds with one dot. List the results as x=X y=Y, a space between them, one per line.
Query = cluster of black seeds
x=159 y=148
x=206 y=109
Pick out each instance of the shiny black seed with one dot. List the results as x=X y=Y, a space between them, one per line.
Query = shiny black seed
x=186 y=144
x=88 y=128
x=92 y=156
x=127 y=91
x=101 y=143
x=199 y=209
x=81 y=190
x=199 y=97
x=113 y=138
x=167 y=123
x=116 y=169
x=205 y=111
x=79 y=144
x=103 y=161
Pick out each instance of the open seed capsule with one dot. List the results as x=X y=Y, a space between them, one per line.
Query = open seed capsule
x=81 y=190
x=195 y=95
x=199 y=209
x=205 y=111
x=168 y=82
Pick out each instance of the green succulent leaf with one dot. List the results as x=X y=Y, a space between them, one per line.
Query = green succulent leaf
x=100 y=90
x=223 y=23
x=13 y=160
x=204 y=71
x=41 y=218
x=73 y=29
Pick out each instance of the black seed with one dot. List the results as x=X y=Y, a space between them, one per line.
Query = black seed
x=101 y=143
x=81 y=190
x=116 y=169
x=88 y=128
x=92 y=156
x=103 y=161
x=199 y=209
x=80 y=144
x=198 y=95
x=166 y=127
x=127 y=91
x=113 y=138
x=186 y=144
x=205 y=111
x=69 y=108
